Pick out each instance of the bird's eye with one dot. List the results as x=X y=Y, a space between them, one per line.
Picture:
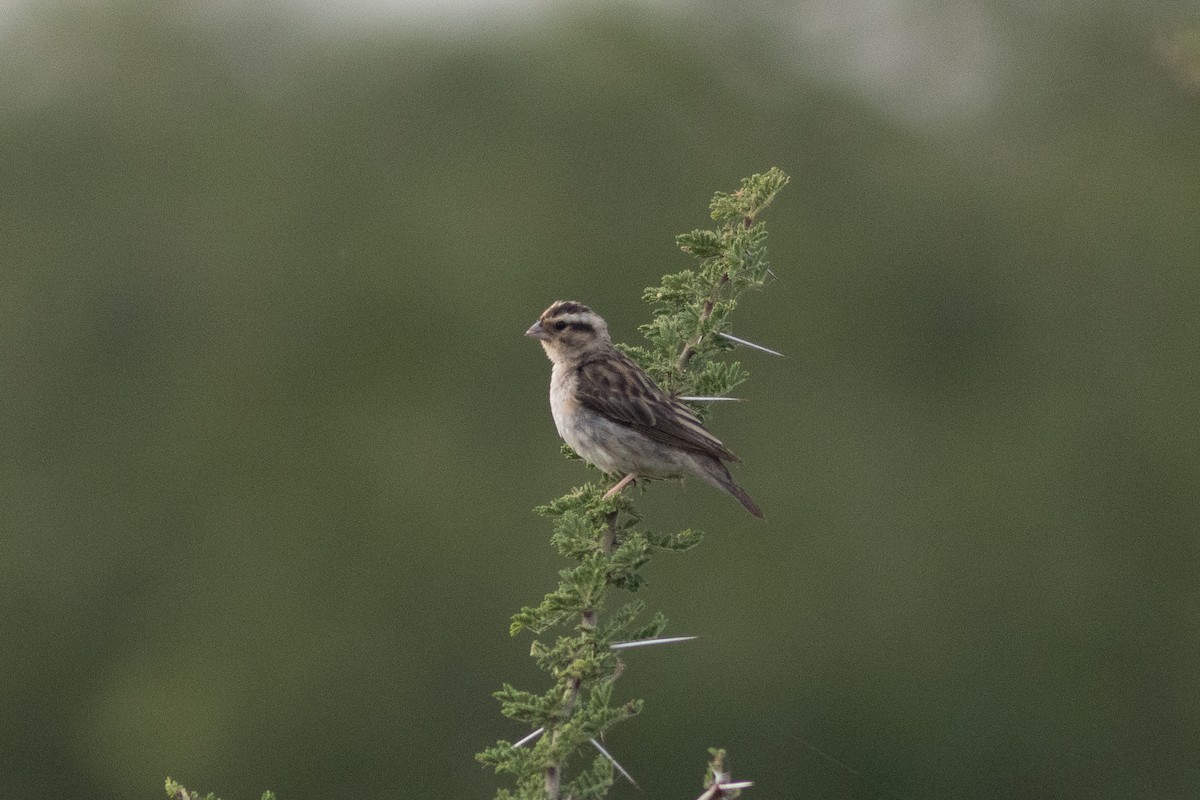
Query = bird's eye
x=560 y=325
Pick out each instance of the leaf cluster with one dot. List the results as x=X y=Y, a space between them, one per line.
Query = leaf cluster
x=693 y=307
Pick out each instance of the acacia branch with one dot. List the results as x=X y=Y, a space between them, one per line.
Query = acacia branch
x=689 y=349
x=578 y=709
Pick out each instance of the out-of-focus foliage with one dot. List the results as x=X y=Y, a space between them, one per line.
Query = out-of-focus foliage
x=271 y=432
x=176 y=791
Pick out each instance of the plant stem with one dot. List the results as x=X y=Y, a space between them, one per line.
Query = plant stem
x=689 y=349
x=554 y=771
x=609 y=542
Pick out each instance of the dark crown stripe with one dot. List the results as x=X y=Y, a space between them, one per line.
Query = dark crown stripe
x=567 y=307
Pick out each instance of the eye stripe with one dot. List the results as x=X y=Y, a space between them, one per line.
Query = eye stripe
x=573 y=325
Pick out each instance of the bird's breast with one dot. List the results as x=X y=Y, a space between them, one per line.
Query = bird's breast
x=615 y=448
x=563 y=405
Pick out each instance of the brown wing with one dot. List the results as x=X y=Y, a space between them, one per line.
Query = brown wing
x=615 y=387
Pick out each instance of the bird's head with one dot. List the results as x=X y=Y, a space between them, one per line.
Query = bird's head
x=568 y=330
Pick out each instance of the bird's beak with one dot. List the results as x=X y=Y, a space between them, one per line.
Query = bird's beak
x=536 y=331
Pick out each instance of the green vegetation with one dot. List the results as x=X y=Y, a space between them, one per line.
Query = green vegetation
x=177 y=791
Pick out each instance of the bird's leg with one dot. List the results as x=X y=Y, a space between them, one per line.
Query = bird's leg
x=621 y=484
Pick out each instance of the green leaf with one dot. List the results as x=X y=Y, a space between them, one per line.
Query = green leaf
x=756 y=194
x=526 y=706
x=626 y=561
x=676 y=542
x=701 y=244
x=620 y=620
x=654 y=628
x=592 y=784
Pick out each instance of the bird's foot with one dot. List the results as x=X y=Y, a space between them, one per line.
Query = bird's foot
x=619 y=485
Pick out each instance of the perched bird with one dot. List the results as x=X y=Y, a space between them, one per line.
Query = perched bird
x=613 y=414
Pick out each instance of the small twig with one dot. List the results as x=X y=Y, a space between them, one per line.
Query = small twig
x=689 y=349
x=553 y=772
x=608 y=541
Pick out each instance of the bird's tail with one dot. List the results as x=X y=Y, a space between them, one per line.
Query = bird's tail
x=718 y=475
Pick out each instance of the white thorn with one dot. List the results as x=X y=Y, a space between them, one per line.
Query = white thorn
x=648 y=642
x=529 y=738
x=620 y=769
x=725 y=787
x=712 y=399
x=744 y=343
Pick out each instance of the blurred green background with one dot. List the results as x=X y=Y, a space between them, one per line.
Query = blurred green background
x=271 y=434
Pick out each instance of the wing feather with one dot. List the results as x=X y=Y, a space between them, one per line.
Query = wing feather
x=615 y=387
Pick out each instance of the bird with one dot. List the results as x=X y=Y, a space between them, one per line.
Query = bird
x=615 y=416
